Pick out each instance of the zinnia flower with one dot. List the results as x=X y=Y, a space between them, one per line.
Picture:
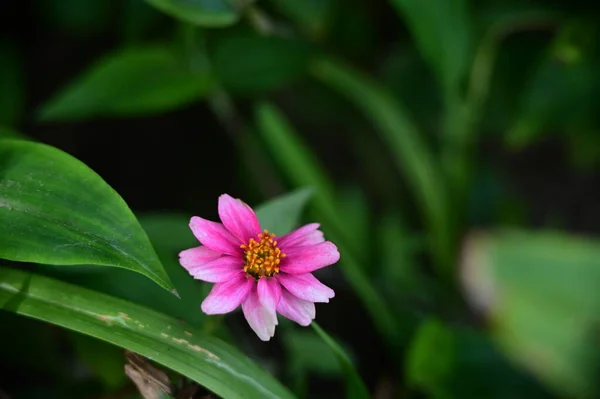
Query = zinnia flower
x=265 y=274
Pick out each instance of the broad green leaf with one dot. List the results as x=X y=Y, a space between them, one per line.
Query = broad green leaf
x=132 y=81
x=413 y=158
x=541 y=291
x=55 y=210
x=249 y=64
x=281 y=215
x=207 y=13
x=136 y=288
x=12 y=85
x=169 y=234
x=163 y=339
x=299 y=165
x=355 y=387
x=442 y=30
x=442 y=357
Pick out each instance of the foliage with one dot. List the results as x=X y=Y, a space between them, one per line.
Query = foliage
x=449 y=148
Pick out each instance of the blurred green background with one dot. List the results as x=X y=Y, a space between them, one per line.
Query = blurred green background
x=452 y=149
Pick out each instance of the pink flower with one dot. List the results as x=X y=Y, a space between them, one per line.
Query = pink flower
x=265 y=274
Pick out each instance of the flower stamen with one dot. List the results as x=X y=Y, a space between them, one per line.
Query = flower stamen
x=262 y=258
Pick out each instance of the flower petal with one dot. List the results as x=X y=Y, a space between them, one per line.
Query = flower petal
x=305 y=235
x=238 y=217
x=302 y=312
x=218 y=270
x=301 y=260
x=215 y=236
x=261 y=320
x=269 y=292
x=225 y=297
x=306 y=287
x=197 y=256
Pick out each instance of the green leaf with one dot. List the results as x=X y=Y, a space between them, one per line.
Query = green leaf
x=55 y=210
x=282 y=214
x=355 y=387
x=541 y=291
x=169 y=234
x=250 y=64
x=133 y=81
x=411 y=154
x=134 y=287
x=163 y=339
x=442 y=30
x=207 y=13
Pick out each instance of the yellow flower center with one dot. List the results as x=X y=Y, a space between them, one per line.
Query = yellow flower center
x=262 y=257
